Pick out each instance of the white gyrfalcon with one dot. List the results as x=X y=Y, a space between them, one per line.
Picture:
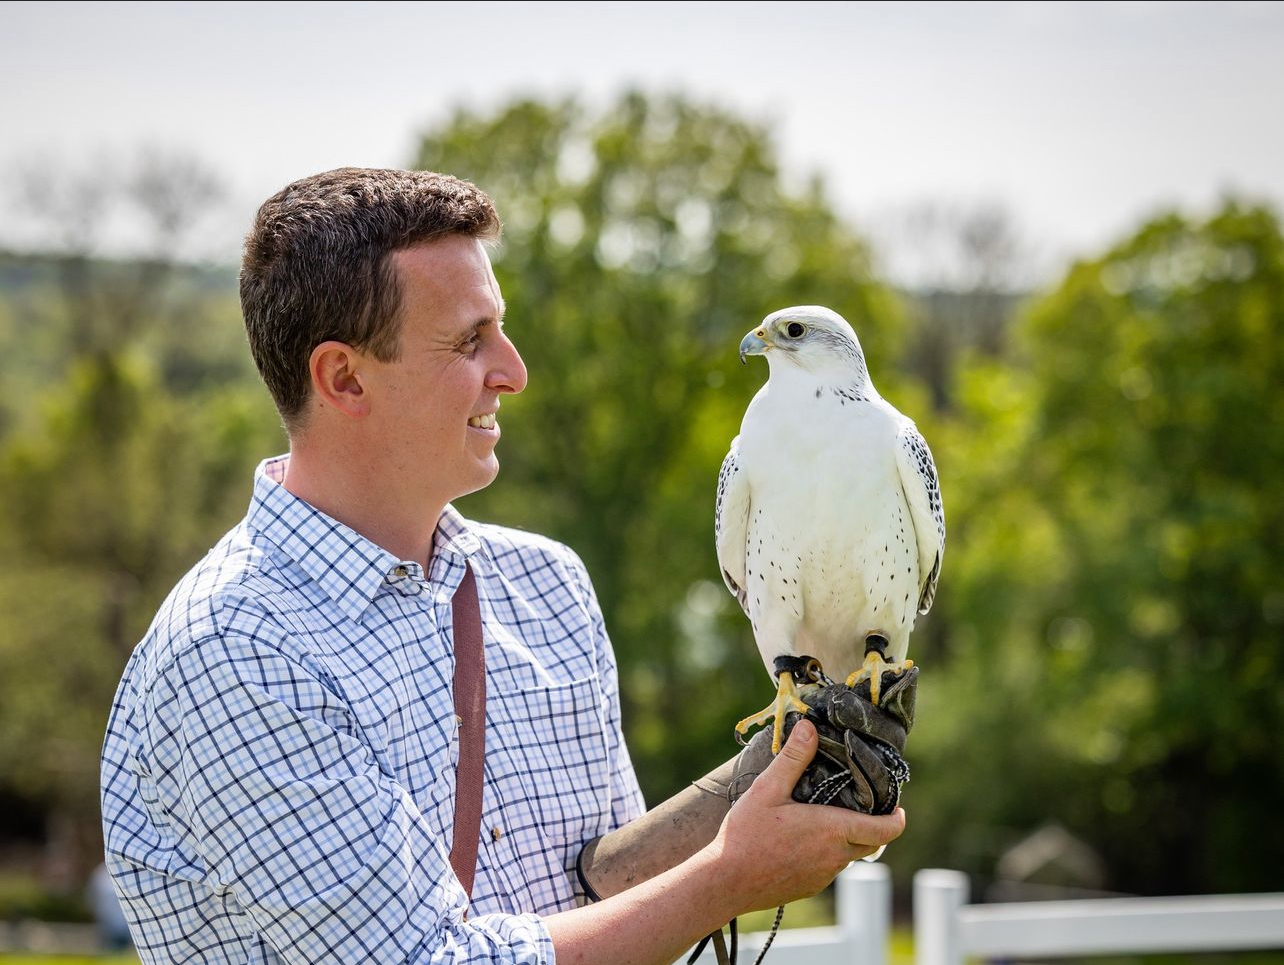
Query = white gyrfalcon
x=829 y=524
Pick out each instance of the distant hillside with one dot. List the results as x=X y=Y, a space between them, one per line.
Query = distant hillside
x=181 y=320
x=195 y=331
x=23 y=272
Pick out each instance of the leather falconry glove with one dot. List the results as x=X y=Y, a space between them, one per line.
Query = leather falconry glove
x=858 y=765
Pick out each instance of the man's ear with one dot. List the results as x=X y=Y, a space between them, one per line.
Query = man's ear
x=337 y=378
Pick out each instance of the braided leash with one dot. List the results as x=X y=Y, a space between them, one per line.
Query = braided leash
x=771 y=935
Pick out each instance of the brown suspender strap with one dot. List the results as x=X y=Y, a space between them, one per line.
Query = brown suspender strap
x=470 y=711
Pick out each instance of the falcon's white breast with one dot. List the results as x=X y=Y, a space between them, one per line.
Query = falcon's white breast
x=829 y=522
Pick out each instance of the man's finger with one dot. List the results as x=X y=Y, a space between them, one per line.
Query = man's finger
x=874 y=831
x=783 y=772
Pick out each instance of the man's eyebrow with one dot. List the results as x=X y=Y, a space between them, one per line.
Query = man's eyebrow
x=496 y=319
x=469 y=330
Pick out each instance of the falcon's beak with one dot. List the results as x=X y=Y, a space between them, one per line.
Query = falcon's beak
x=755 y=343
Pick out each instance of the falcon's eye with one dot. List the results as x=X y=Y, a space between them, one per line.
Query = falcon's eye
x=794 y=329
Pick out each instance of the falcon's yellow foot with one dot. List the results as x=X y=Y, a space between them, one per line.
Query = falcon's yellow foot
x=873 y=669
x=787 y=699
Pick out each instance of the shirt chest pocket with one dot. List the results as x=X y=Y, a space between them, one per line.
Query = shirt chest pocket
x=547 y=764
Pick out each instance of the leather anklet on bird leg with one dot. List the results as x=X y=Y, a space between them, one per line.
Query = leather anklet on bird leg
x=875 y=666
x=790 y=672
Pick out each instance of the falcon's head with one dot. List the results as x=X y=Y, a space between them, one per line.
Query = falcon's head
x=809 y=336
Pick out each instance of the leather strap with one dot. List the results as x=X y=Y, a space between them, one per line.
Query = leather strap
x=470 y=710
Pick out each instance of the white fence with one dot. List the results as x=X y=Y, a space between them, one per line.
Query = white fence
x=947 y=929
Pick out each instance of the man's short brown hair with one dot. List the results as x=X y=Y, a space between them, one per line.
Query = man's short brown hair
x=317 y=265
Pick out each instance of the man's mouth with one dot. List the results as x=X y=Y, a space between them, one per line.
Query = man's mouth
x=486 y=421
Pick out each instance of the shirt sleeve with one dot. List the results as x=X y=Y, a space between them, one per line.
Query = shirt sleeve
x=627 y=802
x=260 y=769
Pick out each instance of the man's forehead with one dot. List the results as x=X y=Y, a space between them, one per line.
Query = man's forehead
x=451 y=279
x=442 y=249
x=449 y=261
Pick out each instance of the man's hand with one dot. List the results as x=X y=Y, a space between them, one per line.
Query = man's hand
x=773 y=850
x=768 y=851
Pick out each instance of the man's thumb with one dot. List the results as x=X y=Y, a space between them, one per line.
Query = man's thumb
x=782 y=773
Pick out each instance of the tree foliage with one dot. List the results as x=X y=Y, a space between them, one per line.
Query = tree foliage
x=118 y=487
x=1116 y=601
x=119 y=468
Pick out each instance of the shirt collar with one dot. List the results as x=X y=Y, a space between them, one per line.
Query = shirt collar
x=348 y=567
x=455 y=536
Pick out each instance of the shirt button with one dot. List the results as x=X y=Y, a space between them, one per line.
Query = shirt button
x=401 y=571
x=459 y=721
x=496 y=834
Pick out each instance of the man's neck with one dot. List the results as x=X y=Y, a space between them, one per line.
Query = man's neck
x=348 y=488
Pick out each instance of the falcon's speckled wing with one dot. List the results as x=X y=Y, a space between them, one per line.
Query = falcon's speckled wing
x=923 y=495
x=731 y=522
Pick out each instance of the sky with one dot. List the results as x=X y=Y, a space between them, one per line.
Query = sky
x=1077 y=119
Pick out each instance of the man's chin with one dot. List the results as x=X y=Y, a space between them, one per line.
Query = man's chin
x=485 y=476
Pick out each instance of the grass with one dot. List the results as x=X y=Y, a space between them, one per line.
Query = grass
x=807 y=913
x=25 y=958
x=901 y=953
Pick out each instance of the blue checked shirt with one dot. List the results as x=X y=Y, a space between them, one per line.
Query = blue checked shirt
x=279 y=767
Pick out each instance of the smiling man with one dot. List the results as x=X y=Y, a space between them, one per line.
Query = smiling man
x=284 y=756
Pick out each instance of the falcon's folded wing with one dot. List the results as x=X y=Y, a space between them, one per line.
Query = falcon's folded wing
x=731 y=523
x=923 y=495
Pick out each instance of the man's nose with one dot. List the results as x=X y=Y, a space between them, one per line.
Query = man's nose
x=509 y=371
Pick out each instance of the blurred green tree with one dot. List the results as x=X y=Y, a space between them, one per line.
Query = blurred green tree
x=118 y=473
x=120 y=488
x=641 y=242
x=1116 y=602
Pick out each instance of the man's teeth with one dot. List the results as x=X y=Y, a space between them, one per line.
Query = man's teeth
x=483 y=421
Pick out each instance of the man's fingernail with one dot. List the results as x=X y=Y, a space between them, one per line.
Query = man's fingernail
x=803 y=732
